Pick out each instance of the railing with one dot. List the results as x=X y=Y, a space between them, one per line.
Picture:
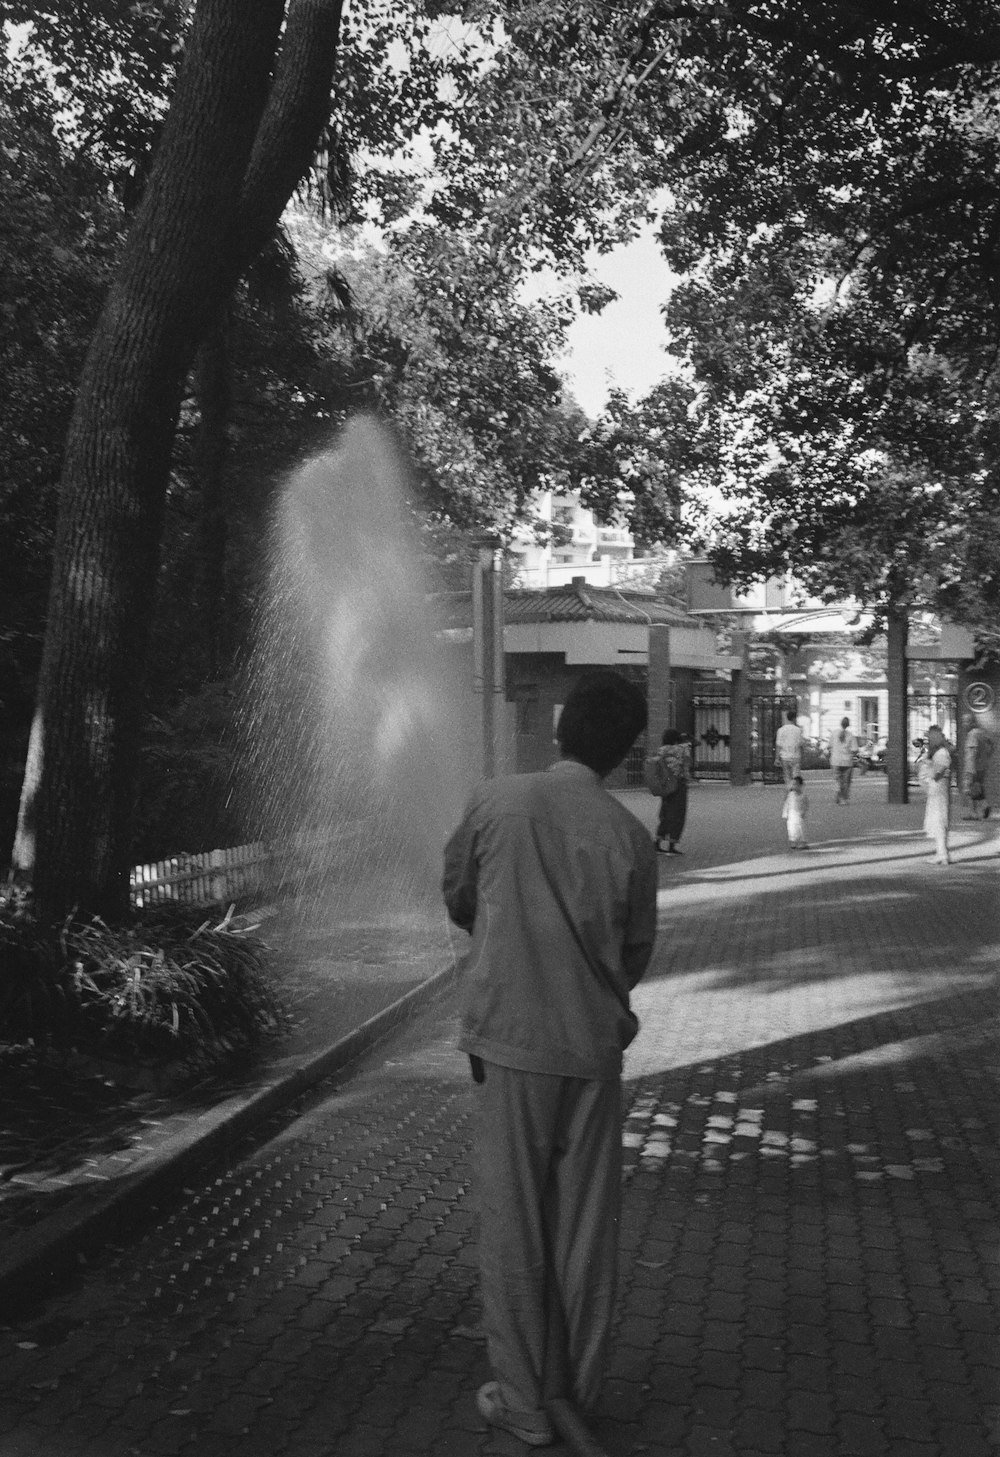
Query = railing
x=206 y=879
x=216 y=877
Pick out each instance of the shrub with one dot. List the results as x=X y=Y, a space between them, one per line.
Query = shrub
x=158 y=990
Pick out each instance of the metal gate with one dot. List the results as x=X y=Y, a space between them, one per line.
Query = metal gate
x=923 y=709
x=927 y=708
x=767 y=714
x=710 y=740
x=635 y=763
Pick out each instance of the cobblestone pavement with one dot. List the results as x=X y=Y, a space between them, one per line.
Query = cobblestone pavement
x=810 y=1222
x=73 y=1130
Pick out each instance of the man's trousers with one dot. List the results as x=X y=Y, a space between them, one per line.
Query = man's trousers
x=550 y=1165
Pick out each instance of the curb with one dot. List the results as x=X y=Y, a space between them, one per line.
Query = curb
x=32 y=1262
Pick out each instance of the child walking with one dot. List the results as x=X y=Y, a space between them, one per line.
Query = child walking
x=794 y=814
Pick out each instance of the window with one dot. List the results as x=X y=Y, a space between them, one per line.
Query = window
x=868 y=716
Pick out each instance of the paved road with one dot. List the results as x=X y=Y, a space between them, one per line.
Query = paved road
x=811 y=1216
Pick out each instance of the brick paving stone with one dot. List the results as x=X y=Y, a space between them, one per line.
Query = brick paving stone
x=760 y=1428
x=714 y=1406
x=766 y=1320
x=808 y=1411
x=908 y=1419
x=623 y=1400
x=862 y=1436
x=968 y=1439
x=857 y=1395
x=719 y=1368
x=848 y=1361
x=812 y=1444
x=810 y=1269
x=895 y=1343
x=707 y=1442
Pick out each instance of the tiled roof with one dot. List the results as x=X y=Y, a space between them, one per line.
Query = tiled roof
x=577 y=602
x=582 y=603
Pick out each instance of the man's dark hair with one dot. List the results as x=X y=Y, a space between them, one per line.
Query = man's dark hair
x=602 y=717
x=672 y=736
x=792 y=714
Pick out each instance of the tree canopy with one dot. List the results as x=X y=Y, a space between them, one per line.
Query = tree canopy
x=836 y=217
x=825 y=180
x=823 y=175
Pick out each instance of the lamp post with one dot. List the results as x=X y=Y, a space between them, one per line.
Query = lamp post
x=487 y=641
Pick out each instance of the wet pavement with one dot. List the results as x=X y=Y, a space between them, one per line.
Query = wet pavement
x=810 y=1229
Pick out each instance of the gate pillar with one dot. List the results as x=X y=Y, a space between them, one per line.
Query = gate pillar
x=659 y=697
x=897 y=747
x=739 y=713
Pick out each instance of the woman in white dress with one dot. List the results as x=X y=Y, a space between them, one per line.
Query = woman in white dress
x=936 y=774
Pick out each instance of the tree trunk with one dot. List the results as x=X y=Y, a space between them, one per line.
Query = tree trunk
x=898 y=745
x=226 y=145
x=297 y=111
x=213 y=394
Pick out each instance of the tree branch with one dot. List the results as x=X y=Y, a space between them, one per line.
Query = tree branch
x=953 y=46
x=614 y=101
x=297 y=110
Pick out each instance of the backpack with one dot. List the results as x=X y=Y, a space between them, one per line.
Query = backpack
x=661 y=778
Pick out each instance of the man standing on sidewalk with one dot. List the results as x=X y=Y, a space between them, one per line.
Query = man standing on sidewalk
x=788 y=746
x=556 y=881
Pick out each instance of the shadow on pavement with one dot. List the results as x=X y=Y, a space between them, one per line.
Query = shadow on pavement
x=808 y=1246
x=810 y=1242
x=799 y=929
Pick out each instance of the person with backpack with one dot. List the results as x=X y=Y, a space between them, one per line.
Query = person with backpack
x=976 y=755
x=667 y=775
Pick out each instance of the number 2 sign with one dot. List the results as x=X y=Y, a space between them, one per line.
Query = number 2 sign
x=979 y=697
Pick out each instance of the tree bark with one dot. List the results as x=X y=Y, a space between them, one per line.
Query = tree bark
x=298 y=108
x=231 y=142
x=213 y=394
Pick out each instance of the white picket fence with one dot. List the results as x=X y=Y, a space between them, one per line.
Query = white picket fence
x=219 y=877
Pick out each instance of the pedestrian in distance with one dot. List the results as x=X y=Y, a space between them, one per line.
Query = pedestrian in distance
x=843 y=749
x=556 y=882
x=671 y=773
x=935 y=775
x=788 y=746
x=977 y=751
x=794 y=812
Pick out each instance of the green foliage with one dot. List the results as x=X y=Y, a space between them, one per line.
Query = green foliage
x=635 y=461
x=828 y=181
x=831 y=174
x=58 y=242
x=184 y=798
x=839 y=317
x=558 y=127
x=107 y=65
x=163 y=989
x=59 y=237
x=467 y=375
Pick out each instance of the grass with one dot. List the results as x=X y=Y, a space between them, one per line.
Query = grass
x=166 y=988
